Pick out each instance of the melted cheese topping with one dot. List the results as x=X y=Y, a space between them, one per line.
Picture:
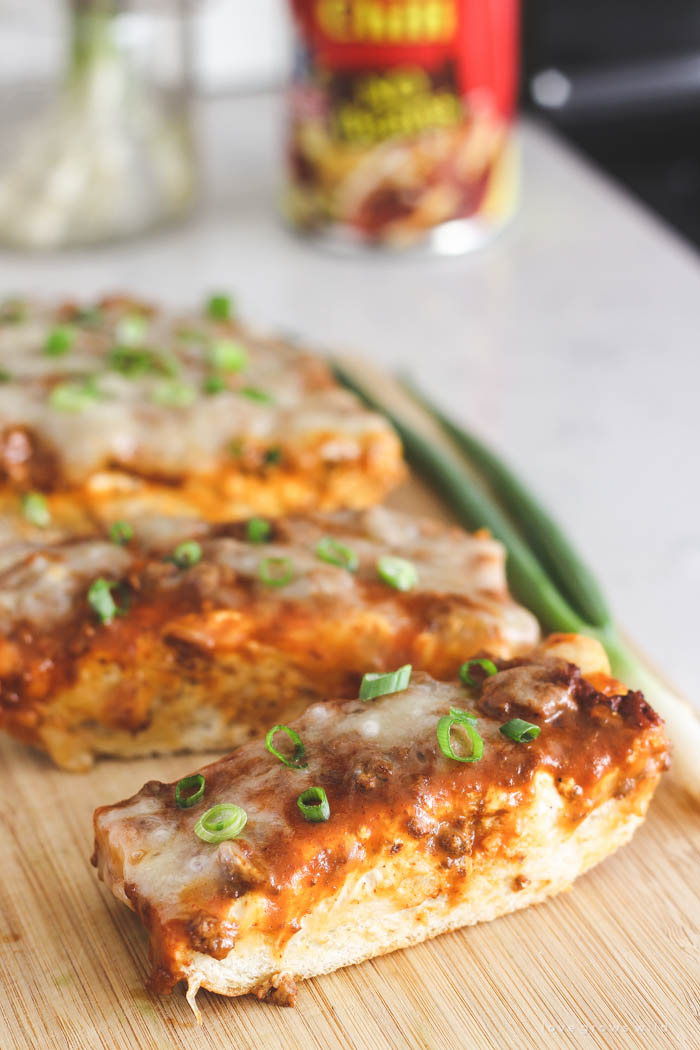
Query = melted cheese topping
x=128 y=422
x=387 y=783
x=165 y=857
x=43 y=585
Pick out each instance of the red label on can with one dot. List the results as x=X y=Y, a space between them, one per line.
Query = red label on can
x=479 y=36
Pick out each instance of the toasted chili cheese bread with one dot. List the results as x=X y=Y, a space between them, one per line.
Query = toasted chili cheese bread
x=205 y=655
x=118 y=410
x=415 y=842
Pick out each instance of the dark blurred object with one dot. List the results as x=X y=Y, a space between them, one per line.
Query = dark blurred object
x=621 y=79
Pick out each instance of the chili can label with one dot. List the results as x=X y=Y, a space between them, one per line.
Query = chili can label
x=400 y=116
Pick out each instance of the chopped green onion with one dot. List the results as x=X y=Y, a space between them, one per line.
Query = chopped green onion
x=254 y=394
x=214 y=385
x=121 y=532
x=190 y=334
x=5 y=376
x=313 y=804
x=195 y=785
x=464 y=722
x=519 y=730
x=131 y=330
x=174 y=393
x=227 y=355
x=186 y=554
x=470 y=717
x=337 y=553
x=487 y=666
x=221 y=822
x=74 y=396
x=220 y=307
x=131 y=361
x=101 y=600
x=275 y=572
x=374 y=685
x=134 y=361
x=35 y=509
x=272 y=456
x=397 y=572
x=297 y=761
x=59 y=340
x=87 y=315
x=258 y=530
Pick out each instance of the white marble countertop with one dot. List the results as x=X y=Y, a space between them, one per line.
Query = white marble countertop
x=570 y=343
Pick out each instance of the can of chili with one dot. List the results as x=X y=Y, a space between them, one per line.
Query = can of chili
x=400 y=121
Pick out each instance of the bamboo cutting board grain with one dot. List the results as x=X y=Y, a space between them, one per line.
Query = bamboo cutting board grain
x=615 y=963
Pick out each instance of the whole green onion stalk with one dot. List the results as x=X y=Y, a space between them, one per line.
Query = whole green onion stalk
x=544 y=571
x=111 y=154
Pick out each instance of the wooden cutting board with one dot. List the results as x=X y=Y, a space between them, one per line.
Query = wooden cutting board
x=613 y=963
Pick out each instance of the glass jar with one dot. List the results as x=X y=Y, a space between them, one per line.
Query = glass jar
x=400 y=121
x=99 y=145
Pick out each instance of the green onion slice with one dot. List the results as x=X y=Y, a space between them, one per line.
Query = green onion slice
x=487 y=666
x=174 y=393
x=121 y=532
x=189 y=791
x=186 y=554
x=227 y=355
x=298 y=759
x=464 y=722
x=255 y=394
x=337 y=553
x=397 y=572
x=131 y=330
x=272 y=456
x=5 y=376
x=214 y=385
x=258 y=530
x=374 y=685
x=519 y=730
x=221 y=822
x=35 y=509
x=74 y=396
x=101 y=600
x=275 y=572
x=313 y=804
x=87 y=315
x=59 y=340
x=220 y=307
x=131 y=361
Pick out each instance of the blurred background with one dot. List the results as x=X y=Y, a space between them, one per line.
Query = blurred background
x=619 y=78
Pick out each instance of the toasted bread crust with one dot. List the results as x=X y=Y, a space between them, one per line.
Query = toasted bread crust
x=416 y=842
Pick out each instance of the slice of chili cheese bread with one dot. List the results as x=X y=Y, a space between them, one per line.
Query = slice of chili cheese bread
x=176 y=635
x=371 y=825
x=120 y=409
